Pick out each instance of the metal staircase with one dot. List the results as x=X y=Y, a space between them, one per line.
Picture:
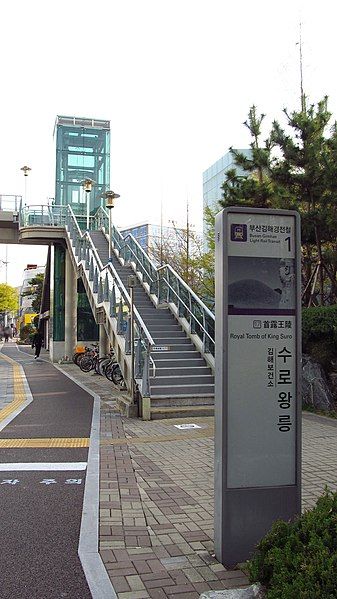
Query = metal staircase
x=180 y=371
x=173 y=329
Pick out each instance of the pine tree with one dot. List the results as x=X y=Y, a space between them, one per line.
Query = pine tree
x=306 y=173
x=253 y=189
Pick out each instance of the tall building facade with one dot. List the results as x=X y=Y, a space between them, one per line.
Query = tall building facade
x=215 y=175
x=26 y=294
x=148 y=235
x=82 y=152
x=213 y=178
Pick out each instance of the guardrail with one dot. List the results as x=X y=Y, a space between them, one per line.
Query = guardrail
x=109 y=288
x=10 y=203
x=172 y=288
x=43 y=215
x=164 y=282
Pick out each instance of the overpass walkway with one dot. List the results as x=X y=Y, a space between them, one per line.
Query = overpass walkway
x=173 y=362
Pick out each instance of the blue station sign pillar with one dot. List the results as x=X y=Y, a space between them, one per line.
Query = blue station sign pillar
x=258 y=393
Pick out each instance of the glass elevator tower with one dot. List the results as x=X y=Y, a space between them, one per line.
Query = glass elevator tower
x=82 y=152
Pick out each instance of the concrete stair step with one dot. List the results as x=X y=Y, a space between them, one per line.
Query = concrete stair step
x=204 y=399
x=183 y=371
x=196 y=362
x=178 y=380
x=175 y=345
x=173 y=341
x=164 y=412
x=174 y=326
x=160 y=316
x=175 y=355
x=182 y=390
x=175 y=334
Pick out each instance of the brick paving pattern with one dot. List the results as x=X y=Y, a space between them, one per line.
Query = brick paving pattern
x=156 y=502
x=156 y=523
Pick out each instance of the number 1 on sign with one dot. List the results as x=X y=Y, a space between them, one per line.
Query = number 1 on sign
x=289 y=246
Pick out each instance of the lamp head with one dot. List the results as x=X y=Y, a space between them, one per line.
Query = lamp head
x=87 y=185
x=25 y=170
x=110 y=197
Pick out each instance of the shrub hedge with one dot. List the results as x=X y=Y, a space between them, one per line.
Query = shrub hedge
x=298 y=559
x=319 y=334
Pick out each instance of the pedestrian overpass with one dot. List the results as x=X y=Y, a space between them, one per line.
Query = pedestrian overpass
x=173 y=330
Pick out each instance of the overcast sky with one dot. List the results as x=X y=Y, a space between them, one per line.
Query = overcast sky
x=175 y=78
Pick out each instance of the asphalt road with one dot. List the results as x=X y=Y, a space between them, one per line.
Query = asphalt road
x=41 y=510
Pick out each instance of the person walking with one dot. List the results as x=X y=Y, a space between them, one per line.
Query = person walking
x=7 y=333
x=37 y=343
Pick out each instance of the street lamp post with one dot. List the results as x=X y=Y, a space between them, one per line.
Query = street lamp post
x=132 y=284
x=25 y=170
x=110 y=197
x=87 y=186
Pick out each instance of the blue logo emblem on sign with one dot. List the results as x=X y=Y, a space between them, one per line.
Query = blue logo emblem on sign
x=238 y=232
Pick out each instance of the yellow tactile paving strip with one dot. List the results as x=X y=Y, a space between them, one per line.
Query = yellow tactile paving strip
x=44 y=442
x=19 y=389
x=19 y=398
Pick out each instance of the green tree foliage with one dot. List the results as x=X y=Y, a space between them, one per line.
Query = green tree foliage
x=207 y=258
x=35 y=291
x=254 y=189
x=319 y=335
x=26 y=332
x=182 y=249
x=296 y=168
x=9 y=301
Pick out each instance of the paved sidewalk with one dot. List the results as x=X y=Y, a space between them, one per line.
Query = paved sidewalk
x=7 y=385
x=156 y=503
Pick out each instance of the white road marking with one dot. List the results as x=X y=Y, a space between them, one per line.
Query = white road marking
x=42 y=466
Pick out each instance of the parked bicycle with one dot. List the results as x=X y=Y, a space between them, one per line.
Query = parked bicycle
x=89 y=360
x=113 y=373
x=105 y=361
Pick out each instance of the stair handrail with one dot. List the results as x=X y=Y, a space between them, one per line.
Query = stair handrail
x=208 y=340
x=95 y=266
x=115 y=276
x=151 y=271
x=110 y=268
x=121 y=244
x=117 y=237
x=152 y=275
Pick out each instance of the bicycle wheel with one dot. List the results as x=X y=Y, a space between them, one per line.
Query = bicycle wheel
x=77 y=356
x=96 y=366
x=108 y=371
x=103 y=363
x=87 y=363
x=117 y=376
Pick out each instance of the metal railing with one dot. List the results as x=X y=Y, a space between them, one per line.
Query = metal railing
x=109 y=288
x=164 y=282
x=12 y=203
x=131 y=251
x=172 y=288
x=101 y=221
x=43 y=216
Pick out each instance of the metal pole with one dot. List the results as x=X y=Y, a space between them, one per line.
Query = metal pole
x=132 y=346
x=110 y=236
x=88 y=208
x=6 y=262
